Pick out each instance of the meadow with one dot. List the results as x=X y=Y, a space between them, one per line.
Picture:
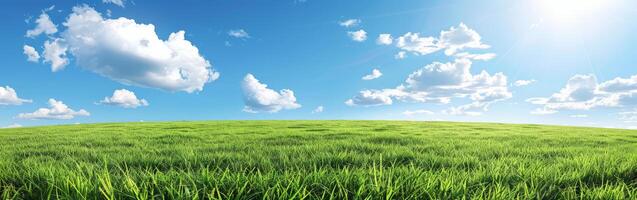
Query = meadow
x=317 y=160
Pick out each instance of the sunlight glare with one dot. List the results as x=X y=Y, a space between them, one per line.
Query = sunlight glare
x=572 y=10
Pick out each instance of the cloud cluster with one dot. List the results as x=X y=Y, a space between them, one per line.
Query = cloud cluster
x=583 y=92
x=452 y=41
x=259 y=98
x=57 y=110
x=124 y=98
x=439 y=83
x=129 y=52
x=374 y=75
x=8 y=96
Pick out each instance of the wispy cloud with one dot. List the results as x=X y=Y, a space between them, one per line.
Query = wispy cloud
x=239 y=33
x=350 y=23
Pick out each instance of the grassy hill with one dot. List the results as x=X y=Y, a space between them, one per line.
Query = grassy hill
x=317 y=160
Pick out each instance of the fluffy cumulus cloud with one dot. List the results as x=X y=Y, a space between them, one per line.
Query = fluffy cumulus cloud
x=374 y=75
x=31 y=53
x=55 y=54
x=119 y=3
x=374 y=97
x=584 y=92
x=439 y=83
x=259 y=98
x=57 y=110
x=8 y=96
x=358 y=36
x=349 y=23
x=129 y=52
x=520 y=83
x=43 y=25
x=384 y=39
x=239 y=33
x=413 y=42
x=452 y=41
x=125 y=99
x=459 y=38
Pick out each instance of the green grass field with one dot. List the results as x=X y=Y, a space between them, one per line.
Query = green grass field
x=317 y=160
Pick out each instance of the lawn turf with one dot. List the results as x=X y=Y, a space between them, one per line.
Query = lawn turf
x=317 y=160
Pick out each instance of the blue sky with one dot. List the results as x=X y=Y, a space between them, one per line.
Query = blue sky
x=313 y=54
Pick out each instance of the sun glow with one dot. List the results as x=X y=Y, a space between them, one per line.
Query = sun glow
x=573 y=10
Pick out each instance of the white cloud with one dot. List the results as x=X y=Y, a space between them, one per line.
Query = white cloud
x=384 y=39
x=578 y=116
x=8 y=96
x=417 y=112
x=583 y=92
x=482 y=57
x=400 y=55
x=318 y=109
x=452 y=41
x=460 y=38
x=374 y=75
x=520 y=83
x=120 y=3
x=350 y=23
x=412 y=42
x=43 y=25
x=620 y=84
x=358 y=36
x=129 y=53
x=259 y=98
x=56 y=110
x=239 y=33
x=14 y=125
x=125 y=99
x=439 y=83
x=31 y=53
x=372 y=98
x=55 y=53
